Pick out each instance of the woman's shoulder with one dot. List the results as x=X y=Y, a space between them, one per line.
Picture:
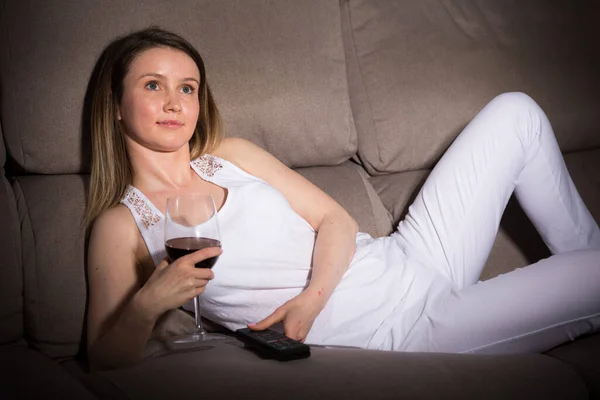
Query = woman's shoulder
x=234 y=149
x=116 y=246
x=115 y=224
x=243 y=153
x=116 y=213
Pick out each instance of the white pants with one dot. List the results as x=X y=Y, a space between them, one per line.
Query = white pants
x=508 y=147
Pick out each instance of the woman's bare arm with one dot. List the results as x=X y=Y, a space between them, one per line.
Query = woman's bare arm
x=119 y=325
x=123 y=309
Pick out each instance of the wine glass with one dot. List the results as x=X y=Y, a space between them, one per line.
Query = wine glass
x=190 y=225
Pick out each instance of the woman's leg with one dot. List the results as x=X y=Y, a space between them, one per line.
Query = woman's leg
x=528 y=310
x=451 y=226
x=509 y=146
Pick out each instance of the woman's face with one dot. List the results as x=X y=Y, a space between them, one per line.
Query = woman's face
x=160 y=106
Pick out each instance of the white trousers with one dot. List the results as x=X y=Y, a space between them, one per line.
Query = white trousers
x=451 y=226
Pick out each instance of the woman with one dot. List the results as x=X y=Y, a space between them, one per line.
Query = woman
x=293 y=255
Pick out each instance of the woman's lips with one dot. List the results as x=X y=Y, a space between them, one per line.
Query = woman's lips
x=170 y=123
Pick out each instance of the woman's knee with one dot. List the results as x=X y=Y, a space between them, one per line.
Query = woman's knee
x=514 y=101
x=528 y=117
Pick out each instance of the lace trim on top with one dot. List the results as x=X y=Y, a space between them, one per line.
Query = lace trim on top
x=147 y=215
x=207 y=165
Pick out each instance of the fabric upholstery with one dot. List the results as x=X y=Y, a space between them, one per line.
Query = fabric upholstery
x=226 y=370
x=419 y=71
x=583 y=356
x=51 y=212
x=27 y=374
x=397 y=191
x=346 y=185
x=277 y=70
x=11 y=277
x=2 y=150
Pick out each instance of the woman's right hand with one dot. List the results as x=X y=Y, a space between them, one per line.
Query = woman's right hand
x=172 y=285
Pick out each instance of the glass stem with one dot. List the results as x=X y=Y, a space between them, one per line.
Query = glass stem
x=199 y=329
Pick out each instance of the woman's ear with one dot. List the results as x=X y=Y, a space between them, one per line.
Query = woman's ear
x=119 y=113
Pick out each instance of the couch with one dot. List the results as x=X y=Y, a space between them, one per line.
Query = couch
x=361 y=97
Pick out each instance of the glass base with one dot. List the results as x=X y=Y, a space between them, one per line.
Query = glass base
x=197 y=337
x=195 y=340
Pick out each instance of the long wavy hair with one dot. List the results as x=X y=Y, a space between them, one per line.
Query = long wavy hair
x=110 y=165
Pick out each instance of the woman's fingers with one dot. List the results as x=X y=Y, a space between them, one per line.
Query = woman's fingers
x=277 y=316
x=199 y=290
x=163 y=264
x=194 y=258
x=202 y=255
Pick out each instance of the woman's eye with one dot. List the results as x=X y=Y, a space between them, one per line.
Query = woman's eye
x=152 y=85
x=187 y=89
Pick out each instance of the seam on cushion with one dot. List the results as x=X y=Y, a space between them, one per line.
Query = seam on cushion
x=12 y=88
x=351 y=119
x=362 y=83
x=456 y=24
x=35 y=321
x=373 y=198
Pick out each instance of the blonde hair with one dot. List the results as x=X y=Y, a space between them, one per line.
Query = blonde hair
x=110 y=166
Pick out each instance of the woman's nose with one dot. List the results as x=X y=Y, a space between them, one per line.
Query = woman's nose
x=172 y=103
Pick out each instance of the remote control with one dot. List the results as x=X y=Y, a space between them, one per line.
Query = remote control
x=273 y=344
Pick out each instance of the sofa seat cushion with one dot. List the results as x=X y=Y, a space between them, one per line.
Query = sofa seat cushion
x=27 y=374
x=419 y=71
x=584 y=356
x=518 y=244
x=226 y=370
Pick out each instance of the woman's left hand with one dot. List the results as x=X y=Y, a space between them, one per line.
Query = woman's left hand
x=297 y=314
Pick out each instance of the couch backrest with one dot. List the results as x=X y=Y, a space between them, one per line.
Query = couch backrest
x=11 y=278
x=420 y=70
x=276 y=68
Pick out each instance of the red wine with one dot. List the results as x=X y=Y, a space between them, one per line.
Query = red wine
x=179 y=247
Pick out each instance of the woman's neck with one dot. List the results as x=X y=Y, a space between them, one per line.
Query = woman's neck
x=154 y=171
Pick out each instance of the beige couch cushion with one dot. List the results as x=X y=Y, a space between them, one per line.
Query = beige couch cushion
x=11 y=277
x=51 y=210
x=277 y=70
x=348 y=186
x=27 y=374
x=419 y=71
x=583 y=357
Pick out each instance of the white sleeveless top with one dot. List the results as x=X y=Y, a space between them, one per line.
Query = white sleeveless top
x=266 y=260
